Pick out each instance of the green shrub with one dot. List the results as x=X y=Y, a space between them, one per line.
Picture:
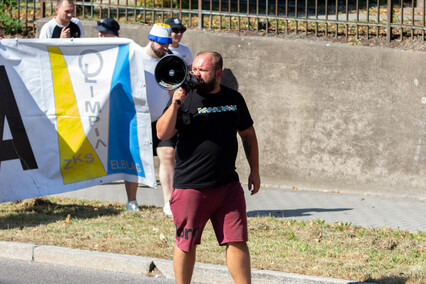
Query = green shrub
x=11 y=26
x=7 y=22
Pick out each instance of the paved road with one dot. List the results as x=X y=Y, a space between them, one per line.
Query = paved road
x=357 y=209
x=25 y=272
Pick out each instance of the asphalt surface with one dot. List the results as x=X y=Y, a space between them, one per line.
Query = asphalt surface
x=14 y=271
x=365 y=210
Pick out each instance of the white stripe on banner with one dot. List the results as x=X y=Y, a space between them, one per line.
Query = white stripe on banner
x=73 y=114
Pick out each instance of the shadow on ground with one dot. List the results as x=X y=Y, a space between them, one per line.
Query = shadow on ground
x=33 y=212
x=292 y=213
x=390 y=280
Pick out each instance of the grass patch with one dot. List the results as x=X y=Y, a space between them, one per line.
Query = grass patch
x=307 y=247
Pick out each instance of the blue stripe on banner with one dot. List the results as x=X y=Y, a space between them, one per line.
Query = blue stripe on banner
x=123 y=150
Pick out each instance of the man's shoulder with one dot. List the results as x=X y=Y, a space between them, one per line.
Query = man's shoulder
x=75 y=20
x=149 y=58
x=229 y=91
x=48 y=28
x=149 y=62
x=184 y=46
x=51 y=23
x=79 y=25
x=51 y=20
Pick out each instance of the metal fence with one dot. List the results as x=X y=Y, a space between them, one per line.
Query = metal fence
x=355 y=19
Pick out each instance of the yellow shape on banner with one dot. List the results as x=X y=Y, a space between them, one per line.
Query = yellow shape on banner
x=79 y=160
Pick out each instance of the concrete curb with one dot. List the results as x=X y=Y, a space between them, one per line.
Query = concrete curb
x=203 y=273
x=93 y=259
x=21 y=251
x=220 y=274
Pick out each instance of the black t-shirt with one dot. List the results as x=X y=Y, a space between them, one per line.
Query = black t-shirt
x=74 y=31
x=207 y=141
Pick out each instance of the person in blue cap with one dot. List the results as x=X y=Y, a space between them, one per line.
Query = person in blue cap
x=107 y=27
x=158 y=45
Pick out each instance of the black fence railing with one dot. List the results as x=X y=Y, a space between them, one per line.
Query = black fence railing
x=352 y=19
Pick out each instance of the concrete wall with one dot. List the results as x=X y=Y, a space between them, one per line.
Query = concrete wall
x=328 y=116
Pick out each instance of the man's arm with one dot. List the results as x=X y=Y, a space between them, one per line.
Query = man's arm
x=166 y=124
x=43 y=32
x=251 y=149
x=80 y=26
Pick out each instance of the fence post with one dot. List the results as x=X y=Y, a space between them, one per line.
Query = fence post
x=42 y=9
x=200 y=14
x=390 y=16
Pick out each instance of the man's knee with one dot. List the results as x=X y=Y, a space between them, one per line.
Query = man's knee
x=237 y=246
x=131 y=185
x=166 y=153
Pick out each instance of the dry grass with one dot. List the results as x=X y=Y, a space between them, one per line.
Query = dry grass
x=313 y=247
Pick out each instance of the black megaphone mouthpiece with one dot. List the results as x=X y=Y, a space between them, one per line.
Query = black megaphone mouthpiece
x=171 y=72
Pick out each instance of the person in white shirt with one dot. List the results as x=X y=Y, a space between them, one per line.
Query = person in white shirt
x=177 y=47
x=64 y=25
x=159 y=40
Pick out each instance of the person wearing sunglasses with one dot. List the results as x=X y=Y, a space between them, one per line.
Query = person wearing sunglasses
x=107 y=27
x=64 y=25
x=177 y=47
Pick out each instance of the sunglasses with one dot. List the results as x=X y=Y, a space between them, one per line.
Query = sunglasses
x=176 y=30
x=100 y=23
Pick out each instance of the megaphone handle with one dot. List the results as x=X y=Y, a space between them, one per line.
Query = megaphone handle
x=187 y=89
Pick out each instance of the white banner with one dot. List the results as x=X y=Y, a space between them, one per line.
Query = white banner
x=73 y=114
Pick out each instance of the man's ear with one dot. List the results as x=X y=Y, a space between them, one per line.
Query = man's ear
x=219 y=74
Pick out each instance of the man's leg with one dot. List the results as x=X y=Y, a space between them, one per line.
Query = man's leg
x=183 y=264
x=166 y=156
x=131 y=190
x=238 y=262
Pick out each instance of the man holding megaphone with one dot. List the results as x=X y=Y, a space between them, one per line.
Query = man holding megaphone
x=206 y=184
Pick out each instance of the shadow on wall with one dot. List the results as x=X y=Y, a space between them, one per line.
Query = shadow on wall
x=228 y=79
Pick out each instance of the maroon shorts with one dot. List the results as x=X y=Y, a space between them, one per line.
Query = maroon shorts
x=225 y=206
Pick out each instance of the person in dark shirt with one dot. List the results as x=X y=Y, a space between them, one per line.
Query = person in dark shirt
x=64 y=25
x=206 y=184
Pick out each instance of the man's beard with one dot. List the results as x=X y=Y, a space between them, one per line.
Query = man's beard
x=159 y=53
x=207 y=87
